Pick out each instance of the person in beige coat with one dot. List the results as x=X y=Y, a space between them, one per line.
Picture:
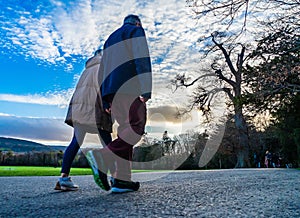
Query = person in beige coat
x=86 y=115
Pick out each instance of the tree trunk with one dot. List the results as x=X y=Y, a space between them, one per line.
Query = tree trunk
x=242 y=150
x=297 y=142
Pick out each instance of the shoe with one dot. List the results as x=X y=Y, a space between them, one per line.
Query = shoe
x=99 y=176
x=111 y=180
x=120 y=186
x=57 y=186
x=66 y=184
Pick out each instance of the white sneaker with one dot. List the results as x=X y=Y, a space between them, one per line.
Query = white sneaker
x=66 y=184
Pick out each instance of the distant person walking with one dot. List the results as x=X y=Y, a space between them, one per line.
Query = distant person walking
x=166 y=136
x=126 y=87
x=268 y=159
x=169 y=144
x=86 y=115
x=166 y=141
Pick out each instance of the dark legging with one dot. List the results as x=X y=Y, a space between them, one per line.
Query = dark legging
x=75 y=144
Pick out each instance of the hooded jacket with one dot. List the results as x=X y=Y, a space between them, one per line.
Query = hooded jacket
x=85 y=107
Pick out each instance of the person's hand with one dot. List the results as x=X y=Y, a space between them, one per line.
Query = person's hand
x=144 y=100
x=108 y=110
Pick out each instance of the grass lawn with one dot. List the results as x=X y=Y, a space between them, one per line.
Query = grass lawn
x=39 y=171
x=45 y=171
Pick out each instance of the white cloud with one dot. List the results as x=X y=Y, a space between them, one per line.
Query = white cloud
x=5 y=115
x=79 y=27
x=60 y=99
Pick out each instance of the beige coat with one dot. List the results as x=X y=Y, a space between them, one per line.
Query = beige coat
x=86 y=108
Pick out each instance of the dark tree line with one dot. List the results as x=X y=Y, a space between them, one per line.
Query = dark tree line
x=51 y=158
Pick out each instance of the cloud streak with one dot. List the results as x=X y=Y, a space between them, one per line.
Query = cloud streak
x=60 y=33
x=60 y=99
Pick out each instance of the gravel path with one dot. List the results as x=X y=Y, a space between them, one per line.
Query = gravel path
x=215 y=193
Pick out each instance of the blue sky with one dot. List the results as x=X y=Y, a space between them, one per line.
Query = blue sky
x=45 y=43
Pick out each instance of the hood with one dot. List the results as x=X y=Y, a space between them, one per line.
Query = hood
x=93 y=61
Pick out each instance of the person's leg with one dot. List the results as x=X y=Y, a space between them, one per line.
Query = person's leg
x=64 y=182
x=105 y=137
x=71 y=151
x=130 y=130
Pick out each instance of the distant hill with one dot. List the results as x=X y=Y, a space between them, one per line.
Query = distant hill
x=18 y=145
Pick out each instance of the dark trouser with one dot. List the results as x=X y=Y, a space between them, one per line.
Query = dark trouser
x=75 y=144
x=130 y=113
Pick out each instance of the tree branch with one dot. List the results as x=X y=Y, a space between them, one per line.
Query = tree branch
x=226 y=55
x=228 y=92
x=181 y=79
x=222 y=77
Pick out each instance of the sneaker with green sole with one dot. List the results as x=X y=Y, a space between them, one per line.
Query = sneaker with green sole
x=98 y=167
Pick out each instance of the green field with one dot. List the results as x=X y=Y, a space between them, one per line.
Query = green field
x=39 y=171
x=45 y=171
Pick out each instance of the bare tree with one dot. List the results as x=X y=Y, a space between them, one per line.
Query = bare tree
x=230 y=78
x=227 y=34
